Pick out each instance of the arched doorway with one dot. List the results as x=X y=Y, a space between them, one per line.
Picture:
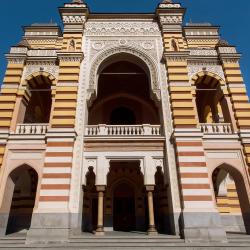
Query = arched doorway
x=125 y=197
x=20 y=191
x=123 y=94
x=231 y=198
x=90 y=203
x=124 y=208
x=161 y=209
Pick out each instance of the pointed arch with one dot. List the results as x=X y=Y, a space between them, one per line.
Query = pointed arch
x=242 y=192
x=19 y=198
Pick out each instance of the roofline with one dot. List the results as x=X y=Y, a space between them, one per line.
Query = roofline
x=122 y=15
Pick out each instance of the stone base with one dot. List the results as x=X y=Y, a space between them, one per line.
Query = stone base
x=48 y=227
x=152 y=231
x=203 y=227
x=47 y=235
x=100 y=231
x=233 y=223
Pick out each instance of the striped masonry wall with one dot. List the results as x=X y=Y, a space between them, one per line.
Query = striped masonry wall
x=238 y=93
x=181 y=94
x=9 y=91
x=55 y=185
x=194 y=178
x=56 y=179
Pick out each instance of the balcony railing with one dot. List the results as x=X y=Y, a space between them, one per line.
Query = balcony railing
x=31 y=129
x=123 y=130
x=216 y=128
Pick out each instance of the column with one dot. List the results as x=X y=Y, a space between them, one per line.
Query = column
x=151 y=228
x=100 y=228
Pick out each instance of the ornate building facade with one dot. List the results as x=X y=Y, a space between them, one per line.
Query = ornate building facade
x=124 y=122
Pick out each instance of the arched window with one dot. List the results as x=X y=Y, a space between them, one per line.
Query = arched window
x=210 y=101
x=37 y=108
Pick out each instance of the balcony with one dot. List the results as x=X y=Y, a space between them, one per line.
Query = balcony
x=104 y=130
x=31 y=129
x=216 y=128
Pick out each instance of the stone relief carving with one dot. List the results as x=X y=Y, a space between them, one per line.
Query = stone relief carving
x=121 y=28
x=227 y=50
x=216 y=69
x=42 y=52
x=203 y=52
x=74 y=19
x=32 y=67
x=147 y=44
x=170 y=19
x=170 y=5
x=18 y=50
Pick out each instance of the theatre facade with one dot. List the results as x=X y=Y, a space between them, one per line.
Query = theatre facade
x=124 y=122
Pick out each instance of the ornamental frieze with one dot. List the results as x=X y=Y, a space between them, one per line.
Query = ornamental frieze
x=121 y=28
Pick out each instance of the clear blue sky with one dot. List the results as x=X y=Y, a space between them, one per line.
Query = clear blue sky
x=232 y=16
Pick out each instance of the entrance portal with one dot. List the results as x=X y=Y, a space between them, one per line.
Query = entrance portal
x=124 y=208
x=124 y=197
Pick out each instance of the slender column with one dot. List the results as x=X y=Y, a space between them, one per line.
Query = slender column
x=151 y=229
x=100 y=228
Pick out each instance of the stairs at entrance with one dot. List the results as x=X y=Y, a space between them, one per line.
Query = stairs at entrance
x=125 y=241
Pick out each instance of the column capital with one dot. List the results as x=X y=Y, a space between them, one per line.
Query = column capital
x=150 y=188
x=100 y=188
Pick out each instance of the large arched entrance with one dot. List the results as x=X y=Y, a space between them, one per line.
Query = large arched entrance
x=123 y=94
x=126 y=197
x=19 y=198
x=231 y=198
x=124 y=208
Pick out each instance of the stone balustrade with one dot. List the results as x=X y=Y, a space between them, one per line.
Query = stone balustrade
x=123 y=130
x=216 y=128
x=31 y=129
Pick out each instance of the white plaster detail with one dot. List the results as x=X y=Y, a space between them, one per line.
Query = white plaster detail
x=121 y=28
x=193 y=69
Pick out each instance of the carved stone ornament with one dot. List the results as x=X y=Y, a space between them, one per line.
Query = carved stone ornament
x=170 y=19
x=227 y=50
x=121 y=28
x=215 y=69
x=74 y=19
x=40 y=66
x=203 y=52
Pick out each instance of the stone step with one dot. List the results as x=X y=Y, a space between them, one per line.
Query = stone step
x=145 y=247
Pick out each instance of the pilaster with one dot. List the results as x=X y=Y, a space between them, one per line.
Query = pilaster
x=237 y=93
x=9 y=91
x=200 y=218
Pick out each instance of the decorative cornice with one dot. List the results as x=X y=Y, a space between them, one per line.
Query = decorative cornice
x=176 y=56
x=228 y=54
x=70 y=56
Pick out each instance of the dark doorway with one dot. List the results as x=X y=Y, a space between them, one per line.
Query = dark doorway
x=124 y=208
x=23 y=181
x=122 y=116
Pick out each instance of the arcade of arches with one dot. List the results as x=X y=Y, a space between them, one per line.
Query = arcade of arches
x=126 y=200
